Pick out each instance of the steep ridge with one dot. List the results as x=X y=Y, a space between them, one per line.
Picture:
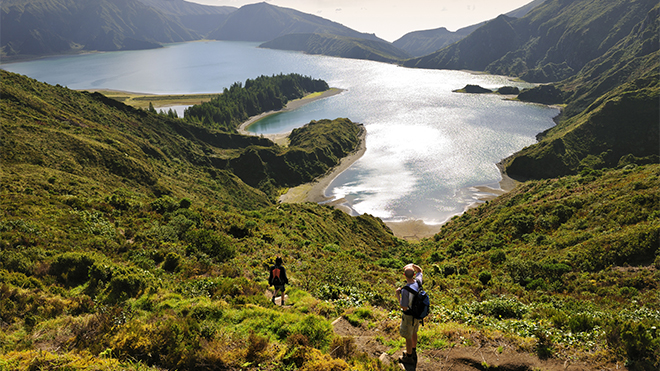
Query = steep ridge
x=338 y=46
x=552 y=42
x=31 y=28
x=263 y=22
x=612 y=111
x=420 y=43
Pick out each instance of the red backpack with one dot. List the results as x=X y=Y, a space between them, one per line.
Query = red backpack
x=277 y=280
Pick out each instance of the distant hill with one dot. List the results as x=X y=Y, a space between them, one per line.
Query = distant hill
x=38 y=27
x=199 y=18
x=552 y=42
x=339 y=46
x=419 y=43
x=264 y=22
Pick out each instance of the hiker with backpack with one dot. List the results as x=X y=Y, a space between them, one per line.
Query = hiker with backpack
x=278 y=279
x=414 y=303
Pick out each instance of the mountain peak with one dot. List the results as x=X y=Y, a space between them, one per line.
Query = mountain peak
x=264 y=22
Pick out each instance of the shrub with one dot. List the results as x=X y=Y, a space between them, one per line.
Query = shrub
x=497 y=256
x=449 y=269
x=485 y=277
x=522 y=224
x=642 y=345
x=16 y=262
x=501 y=308
x=581 y=322
x=172 y=261
x=124 y=284
x=456 y=247
x=185 y=203
x=72 y=268
x=165 y=204
x=317 y=330
x=255 y=348
x=210 y=243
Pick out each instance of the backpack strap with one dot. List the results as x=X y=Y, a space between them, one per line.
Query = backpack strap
x=409 y=289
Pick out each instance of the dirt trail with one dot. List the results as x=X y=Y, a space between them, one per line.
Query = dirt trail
x=491 y=357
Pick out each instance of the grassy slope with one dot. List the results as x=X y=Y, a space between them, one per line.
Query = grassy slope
x=121 y=248
x=103 y=204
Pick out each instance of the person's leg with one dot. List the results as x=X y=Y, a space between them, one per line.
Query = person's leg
x=282 y=299
x=406 y=332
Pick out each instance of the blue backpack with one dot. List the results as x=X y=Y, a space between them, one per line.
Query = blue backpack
x=421 y=303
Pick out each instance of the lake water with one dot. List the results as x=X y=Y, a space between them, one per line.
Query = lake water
x=426 y=146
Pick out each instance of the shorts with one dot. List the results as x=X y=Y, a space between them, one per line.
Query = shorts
x=278 y=288
x=409 y=326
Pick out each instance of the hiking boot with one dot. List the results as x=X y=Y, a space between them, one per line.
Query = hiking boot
x=408 y=359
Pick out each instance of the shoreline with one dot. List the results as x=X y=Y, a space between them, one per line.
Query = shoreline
x=290 y=106
x=417 y=229
x=314 y=191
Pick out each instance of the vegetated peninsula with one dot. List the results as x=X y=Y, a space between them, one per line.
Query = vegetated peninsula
x=239 y=102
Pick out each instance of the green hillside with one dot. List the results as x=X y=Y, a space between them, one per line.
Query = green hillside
x=32 y=28
x=125 y=245
x=421 y=43
x=338 y=46
x=552 y=42
x=611 y=115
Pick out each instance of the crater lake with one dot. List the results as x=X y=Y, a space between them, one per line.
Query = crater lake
x=427 y=147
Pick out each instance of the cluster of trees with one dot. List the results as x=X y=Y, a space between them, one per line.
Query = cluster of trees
x=259 y=95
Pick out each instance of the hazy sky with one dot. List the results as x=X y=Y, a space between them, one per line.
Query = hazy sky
x=391 y=19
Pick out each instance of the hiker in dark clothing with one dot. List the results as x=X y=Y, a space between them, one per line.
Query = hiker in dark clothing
x=278 y=279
